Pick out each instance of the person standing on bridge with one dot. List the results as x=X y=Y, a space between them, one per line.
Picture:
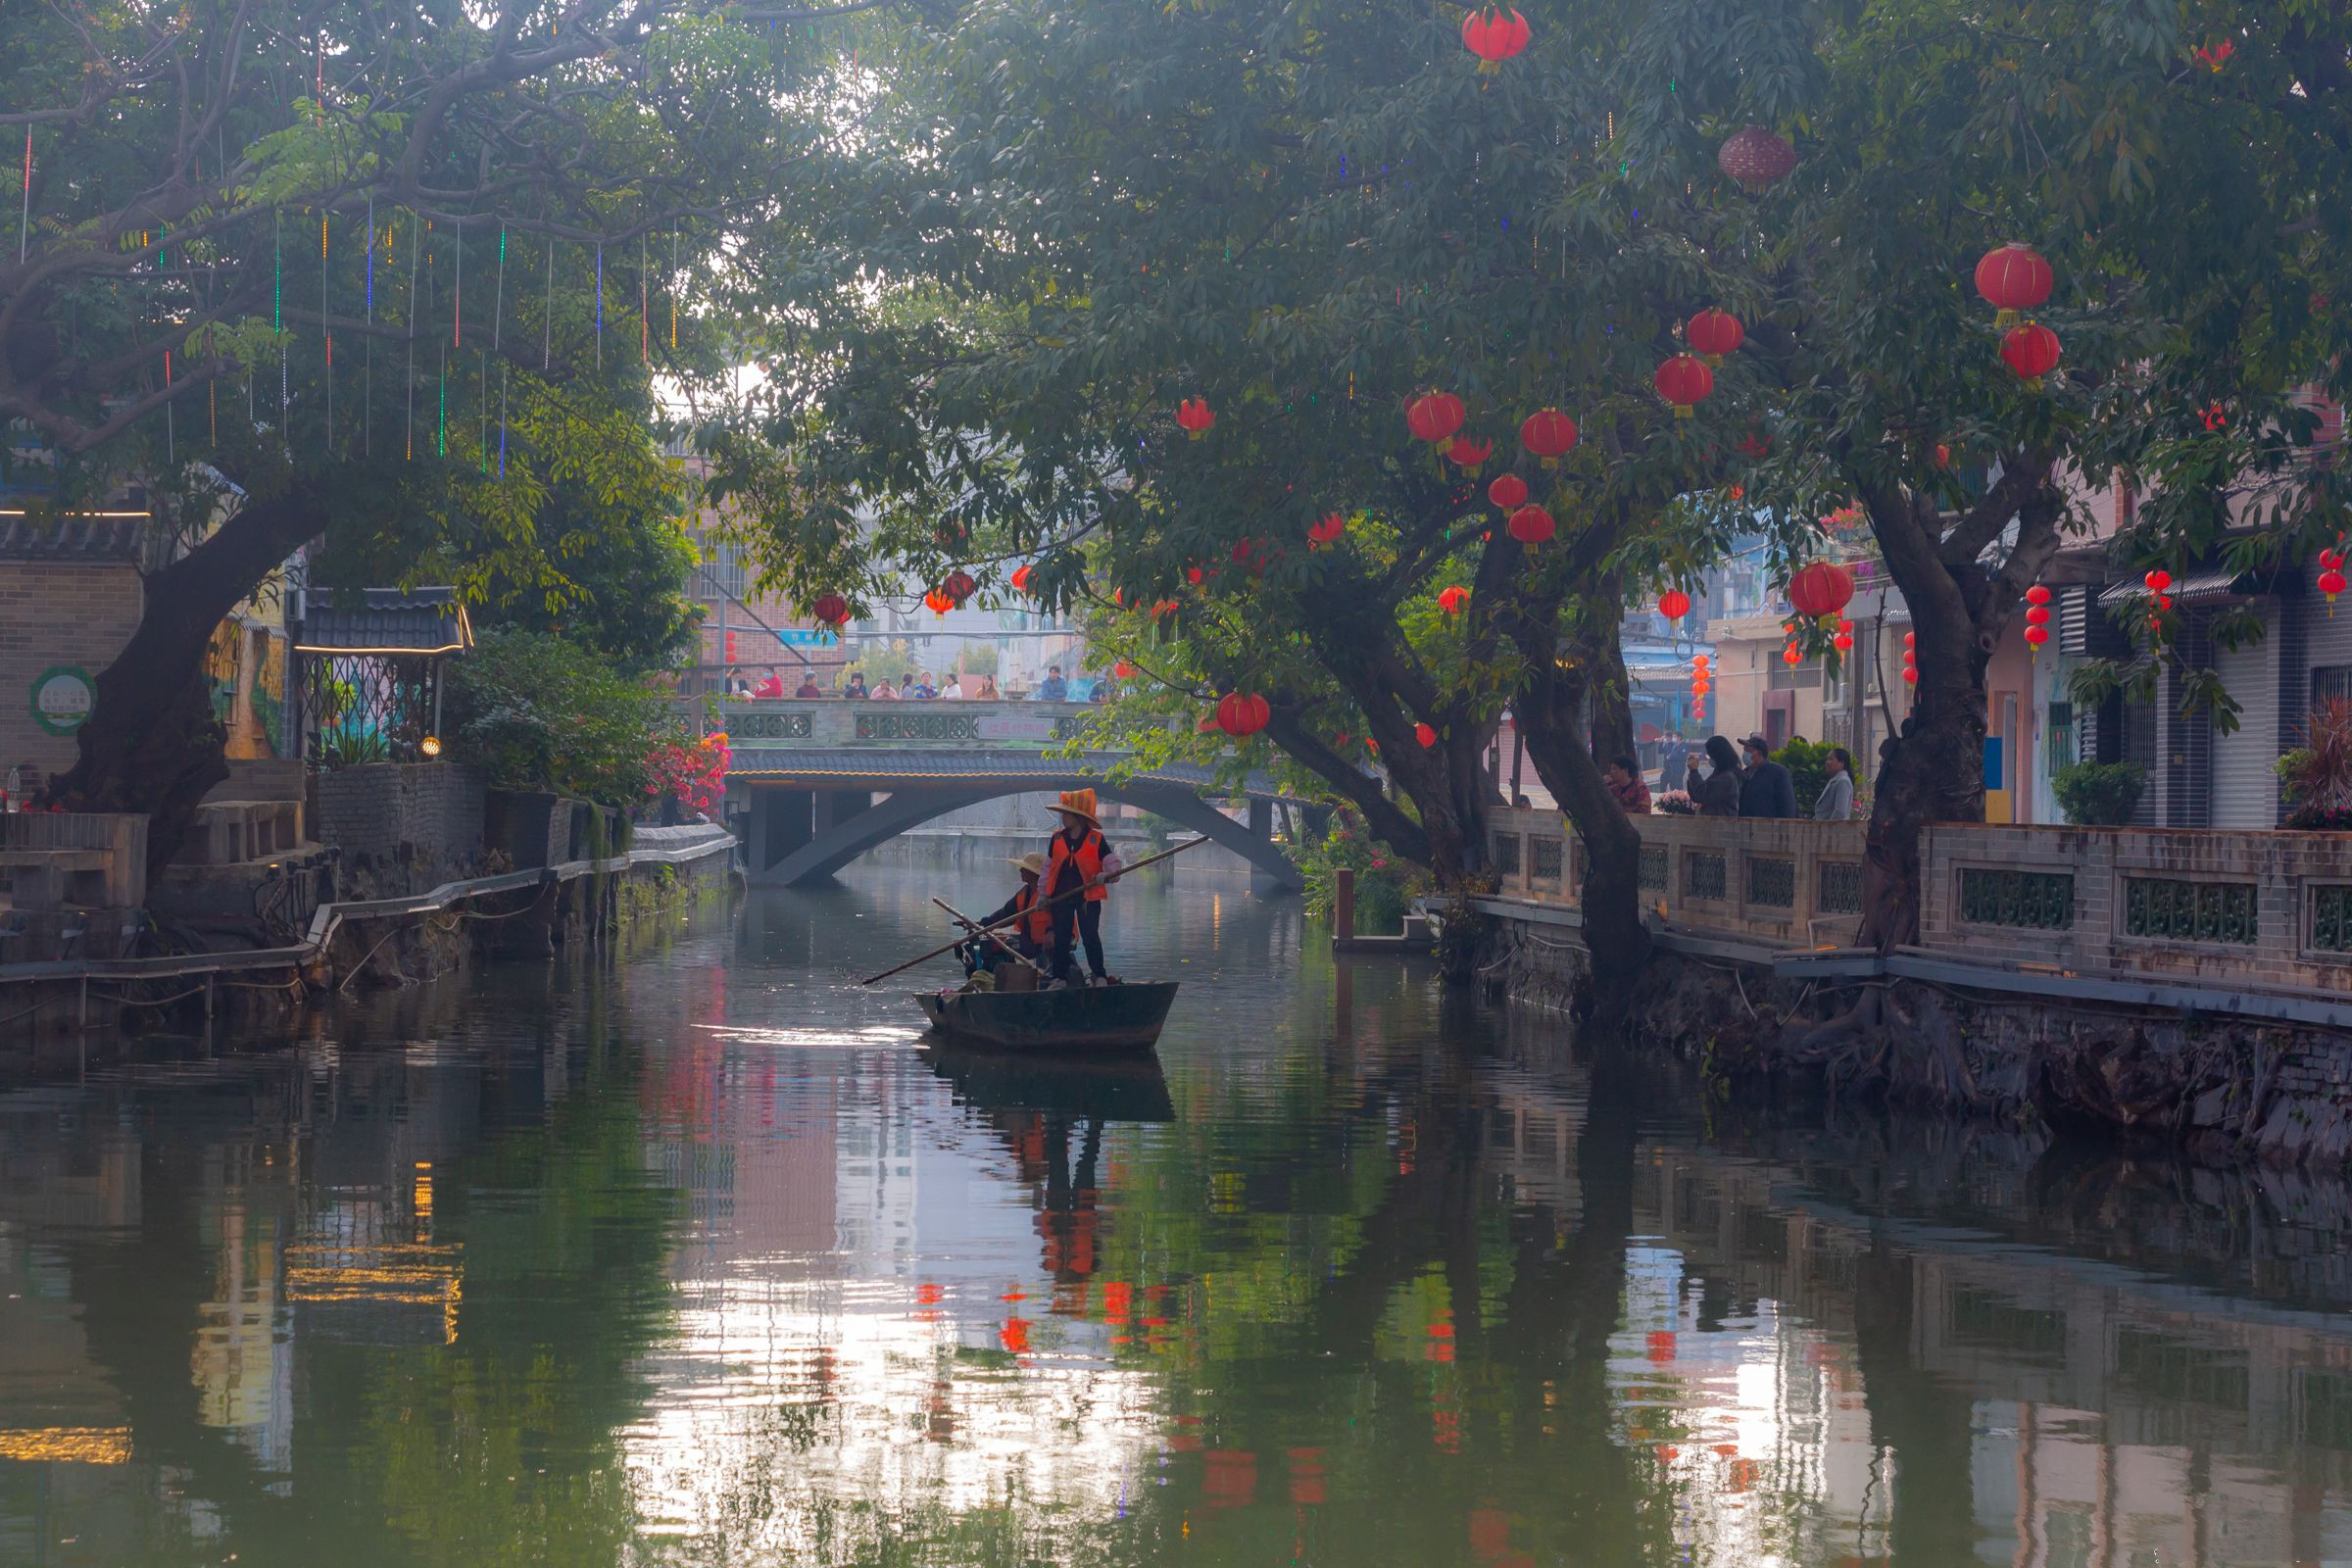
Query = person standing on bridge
x=1078 y=858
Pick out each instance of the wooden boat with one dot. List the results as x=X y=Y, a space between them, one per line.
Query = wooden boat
x=1106 y=1019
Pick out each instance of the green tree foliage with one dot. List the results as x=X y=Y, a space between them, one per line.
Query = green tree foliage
x=538 y=713
x=495 y=217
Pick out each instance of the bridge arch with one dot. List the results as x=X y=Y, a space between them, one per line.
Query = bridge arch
x=838 y=837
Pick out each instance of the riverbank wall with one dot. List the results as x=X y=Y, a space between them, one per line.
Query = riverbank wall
x=2156 y=984
x=51 y=1012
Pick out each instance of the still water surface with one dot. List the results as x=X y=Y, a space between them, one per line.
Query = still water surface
x=695 y=1257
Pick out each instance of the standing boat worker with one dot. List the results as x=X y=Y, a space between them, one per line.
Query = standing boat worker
x=1079 y=857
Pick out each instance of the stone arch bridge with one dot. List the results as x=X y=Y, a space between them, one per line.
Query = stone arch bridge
x=824 y=782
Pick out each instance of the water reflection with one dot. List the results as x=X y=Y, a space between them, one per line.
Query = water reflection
x=705 y=1257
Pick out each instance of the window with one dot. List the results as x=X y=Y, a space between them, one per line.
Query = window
x=2331 y=681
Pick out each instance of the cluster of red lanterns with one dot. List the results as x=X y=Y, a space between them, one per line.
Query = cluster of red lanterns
x=2014 y=279
x=952 y=591
x=2159 y=584
x=1196 y=415
x=2332 y=577
x=1702 y=681
x=1242 y=713
x=2037 y=618
x=1910 y=659
x=1844 y=640
x=1495 y=36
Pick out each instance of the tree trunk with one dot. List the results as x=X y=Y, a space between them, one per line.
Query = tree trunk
x=150 y=743
x=1936 y=775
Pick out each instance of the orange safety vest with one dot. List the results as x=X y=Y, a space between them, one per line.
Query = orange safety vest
x=1089 y=863
x=1036 y=922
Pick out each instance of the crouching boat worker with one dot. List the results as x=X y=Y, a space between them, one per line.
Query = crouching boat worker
x=1079 y=857
x=1030 y=935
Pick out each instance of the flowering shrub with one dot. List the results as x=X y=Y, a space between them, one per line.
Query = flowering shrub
x=694 y=773
x=1675 y=803
x=1385 y=885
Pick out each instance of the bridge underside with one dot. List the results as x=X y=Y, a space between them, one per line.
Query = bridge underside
x=804 y=831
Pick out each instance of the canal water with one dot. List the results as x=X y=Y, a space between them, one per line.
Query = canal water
x=696 y=1257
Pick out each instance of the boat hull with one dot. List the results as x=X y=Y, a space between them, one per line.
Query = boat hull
x=1099 y=1019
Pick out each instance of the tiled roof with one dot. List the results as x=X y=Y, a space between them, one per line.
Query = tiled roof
x=119 y=536
x=385 y=619
x=754 y=759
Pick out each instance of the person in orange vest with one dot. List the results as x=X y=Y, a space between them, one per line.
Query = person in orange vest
x=1079 y=857
x=1033 y=932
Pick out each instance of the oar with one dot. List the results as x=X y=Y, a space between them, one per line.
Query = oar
x=922 y=957
x=974 y=927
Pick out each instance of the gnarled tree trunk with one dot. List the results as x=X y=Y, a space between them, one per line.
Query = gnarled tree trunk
x=152 y=743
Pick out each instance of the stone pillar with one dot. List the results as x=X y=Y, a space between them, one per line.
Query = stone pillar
x=836 y=807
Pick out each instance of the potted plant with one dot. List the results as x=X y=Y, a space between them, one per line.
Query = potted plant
x=2316 y=778
x=2099 y=793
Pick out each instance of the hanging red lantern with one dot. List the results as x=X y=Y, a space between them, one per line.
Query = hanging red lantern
x=831 y=609
x=1683 y=381
x=1021 y=577
x=2013 y=278
x=2036 y=636
x=2038 y=595
x=1426 y=735
x=1844 y=642
x=1910 y=639
x=1756 y=158
x=2037 y=615
x=1673 y=604
x=1792 y=654
x=1326 y=531
x=1531 y=526
x=1123 y=669
x=1910 y=676
x=1508 y=491
x=1195 y=414
x=2031 y=352
x=1242 y=713
x=1494 y=35
x=1454 y=600
x=2332 y=583
x=1435 y=417
x=2214 y=56
x=959 y=586
x=1549 y=434
x=1821 y=588
x=938 y=603
x=1713 y=333
x=2158 y=581
x=1943 y=456
x=1468 y=454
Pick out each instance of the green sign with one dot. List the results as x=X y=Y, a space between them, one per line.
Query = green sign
x=63 y=695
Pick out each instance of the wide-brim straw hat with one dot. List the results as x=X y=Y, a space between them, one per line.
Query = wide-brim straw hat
x=1078 y=802
x=1033 y=862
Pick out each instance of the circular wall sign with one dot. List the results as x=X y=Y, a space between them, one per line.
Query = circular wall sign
x=63 y=695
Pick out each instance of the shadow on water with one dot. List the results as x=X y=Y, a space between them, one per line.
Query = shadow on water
x=705 y=1256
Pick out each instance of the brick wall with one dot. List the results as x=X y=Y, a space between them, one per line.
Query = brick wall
x=404 y=826
x=56 y=613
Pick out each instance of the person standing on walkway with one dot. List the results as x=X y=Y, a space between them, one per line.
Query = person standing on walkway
x=1079 y=857
x=1837 y=803
x=1623 y=775
x=1765 y=787
x=1717 y=793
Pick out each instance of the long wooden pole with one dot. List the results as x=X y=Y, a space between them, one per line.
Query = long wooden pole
x=1148 y=860
x=974 y=926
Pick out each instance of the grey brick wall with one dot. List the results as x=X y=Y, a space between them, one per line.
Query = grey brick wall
x=406 y=825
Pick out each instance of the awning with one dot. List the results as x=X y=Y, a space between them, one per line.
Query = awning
x=385 y=620
x=2196 y=587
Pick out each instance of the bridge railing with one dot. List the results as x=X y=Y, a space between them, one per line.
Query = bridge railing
x=834 y=722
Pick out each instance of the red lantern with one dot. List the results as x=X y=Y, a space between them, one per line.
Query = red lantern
x=1910 y=639
x=1242 y=713
x=1508 y=491
x=1435 y=417
x=2215 y=54
x=2036 y=636
x=2158 y=580
x=1549 y=434
x=1194 y=415
x=1792 y=654
x=938 y=603
x=1844 y=642
x=2332 y=577
x=1683 y=381
x=1714 y=333
x=1531 y=526
x=1673 y=604
x=1021 y=577
x=2037 y=615
x=1123 y=669
x=1494 y=35
x=1454 y=600
x=2013 y=278
x=1466 y=453
x=2031 y=352
x=1426 y=736
x=1943 y=456
x=1821 y=589
x=1756 y=158
x=2038 y=595
x=1325 y=531
x=959 y=586
x=1910 y=676
x=831 y=609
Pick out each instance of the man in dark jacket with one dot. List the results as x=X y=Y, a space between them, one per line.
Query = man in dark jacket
x=1765 y=787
